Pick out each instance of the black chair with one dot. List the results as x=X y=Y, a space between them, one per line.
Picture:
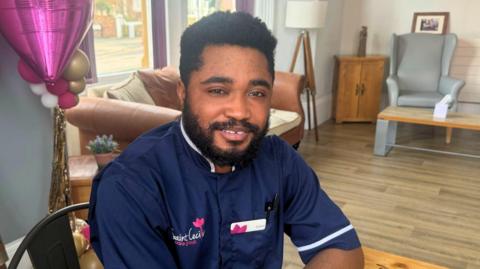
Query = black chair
x=50 y=243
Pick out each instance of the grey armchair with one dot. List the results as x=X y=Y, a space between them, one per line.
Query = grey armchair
x=419 y=68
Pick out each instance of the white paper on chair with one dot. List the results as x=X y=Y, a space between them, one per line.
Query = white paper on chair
x=441 y=108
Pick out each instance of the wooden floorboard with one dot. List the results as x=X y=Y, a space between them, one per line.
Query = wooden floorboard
x=421 y=205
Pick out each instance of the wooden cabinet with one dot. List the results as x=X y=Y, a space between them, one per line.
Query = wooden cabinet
x=357 y=87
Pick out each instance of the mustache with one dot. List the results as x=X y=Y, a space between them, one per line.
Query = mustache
x=231 y=123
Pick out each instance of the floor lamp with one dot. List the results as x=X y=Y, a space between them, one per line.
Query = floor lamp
x=306 y=15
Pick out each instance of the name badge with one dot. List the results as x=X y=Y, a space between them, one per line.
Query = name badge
x=248 y=226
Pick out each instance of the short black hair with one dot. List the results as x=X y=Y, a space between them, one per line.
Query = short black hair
x=224 y=28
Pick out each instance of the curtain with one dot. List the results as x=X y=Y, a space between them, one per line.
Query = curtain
x=88 y=47
x=265 y=10
x=159 y=34
x=245 y=6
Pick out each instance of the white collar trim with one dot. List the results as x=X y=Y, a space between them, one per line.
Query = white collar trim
x=192 y=145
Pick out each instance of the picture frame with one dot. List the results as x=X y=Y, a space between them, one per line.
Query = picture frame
x=430 y=22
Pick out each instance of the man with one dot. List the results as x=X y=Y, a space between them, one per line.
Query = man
x=209 y=190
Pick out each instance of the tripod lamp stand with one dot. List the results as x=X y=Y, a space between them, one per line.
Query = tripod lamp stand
x=306 y=15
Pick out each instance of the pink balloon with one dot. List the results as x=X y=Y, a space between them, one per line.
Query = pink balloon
x=45 y=33
x=27 y=73
x=67 y=100
x=59 y=87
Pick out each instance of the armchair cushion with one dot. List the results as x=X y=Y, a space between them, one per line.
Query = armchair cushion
x=161 y=85
x=281 y=121
x=131 y=90
x=420 y=61
x=418 y=98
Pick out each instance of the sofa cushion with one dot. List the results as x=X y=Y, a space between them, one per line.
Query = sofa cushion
x=161 y=84
x=282 y=121
x=96 y=90
x=418 y=98
x=131 y=90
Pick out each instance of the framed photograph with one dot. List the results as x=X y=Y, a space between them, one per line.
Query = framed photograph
x=430 y=22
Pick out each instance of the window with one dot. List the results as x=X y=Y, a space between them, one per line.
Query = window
x=199 y=8
x=121 y=36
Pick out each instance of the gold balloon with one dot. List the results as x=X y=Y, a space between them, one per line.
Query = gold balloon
x=76 y=86
x=89 y=260
x=78 y=66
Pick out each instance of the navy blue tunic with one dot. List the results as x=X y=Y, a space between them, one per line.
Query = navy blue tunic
x=161 y=205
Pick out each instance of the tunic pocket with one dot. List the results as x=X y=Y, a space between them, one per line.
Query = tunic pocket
x=252 y=248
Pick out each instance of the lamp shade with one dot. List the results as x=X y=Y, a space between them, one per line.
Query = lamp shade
x=306 y=14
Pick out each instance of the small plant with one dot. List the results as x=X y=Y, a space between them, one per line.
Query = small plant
x=102 y=144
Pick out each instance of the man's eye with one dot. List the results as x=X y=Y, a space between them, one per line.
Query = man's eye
x=257 y=94
x=217 y=91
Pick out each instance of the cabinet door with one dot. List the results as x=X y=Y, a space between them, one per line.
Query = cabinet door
x=371 y=85
x=348 y=81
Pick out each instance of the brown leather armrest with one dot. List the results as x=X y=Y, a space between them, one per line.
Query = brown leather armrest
x=287 y=89
x=124 y=120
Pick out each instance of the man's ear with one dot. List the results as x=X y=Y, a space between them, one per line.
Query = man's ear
x=181 y=93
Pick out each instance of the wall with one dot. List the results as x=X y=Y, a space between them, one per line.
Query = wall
x=26 y=151
x=395 y=16
x=325 y=44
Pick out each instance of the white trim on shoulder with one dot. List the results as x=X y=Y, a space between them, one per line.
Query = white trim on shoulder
x=194 y=147
x=325 y=239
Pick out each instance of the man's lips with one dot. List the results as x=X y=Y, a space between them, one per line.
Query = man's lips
x=237 y=135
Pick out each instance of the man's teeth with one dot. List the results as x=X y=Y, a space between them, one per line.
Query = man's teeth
x=233 y=132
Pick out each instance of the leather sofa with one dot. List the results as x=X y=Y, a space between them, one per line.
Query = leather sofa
x=125 y=120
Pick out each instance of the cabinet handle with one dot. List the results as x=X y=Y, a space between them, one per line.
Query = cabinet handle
x=356 y=89
x=362 y=89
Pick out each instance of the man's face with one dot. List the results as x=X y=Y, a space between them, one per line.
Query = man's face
x=226 y=105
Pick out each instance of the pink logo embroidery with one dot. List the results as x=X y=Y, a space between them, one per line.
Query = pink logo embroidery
x=238 y=229
x=199 y=224
x=192 y=236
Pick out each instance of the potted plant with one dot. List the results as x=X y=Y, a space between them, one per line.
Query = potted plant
x=104 y=148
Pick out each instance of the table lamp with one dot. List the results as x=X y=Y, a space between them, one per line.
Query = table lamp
x=306 y=15
x=3 y=255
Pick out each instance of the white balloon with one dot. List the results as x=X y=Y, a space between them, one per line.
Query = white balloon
x=38 y=89
x=49 y=100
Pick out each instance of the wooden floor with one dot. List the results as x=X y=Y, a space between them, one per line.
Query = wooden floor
x=421 y=205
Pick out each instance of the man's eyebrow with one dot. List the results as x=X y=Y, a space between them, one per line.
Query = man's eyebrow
x=217 y=79
x=227 y=80
x=261 y=82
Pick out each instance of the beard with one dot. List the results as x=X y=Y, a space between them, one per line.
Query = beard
x=204 y=138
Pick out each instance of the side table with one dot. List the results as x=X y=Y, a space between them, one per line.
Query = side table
x=82 y=170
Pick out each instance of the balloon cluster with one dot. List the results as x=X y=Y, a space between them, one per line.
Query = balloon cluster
x=85 y=253
x=64 y=91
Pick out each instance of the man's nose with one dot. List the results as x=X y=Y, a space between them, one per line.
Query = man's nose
x=238 y=108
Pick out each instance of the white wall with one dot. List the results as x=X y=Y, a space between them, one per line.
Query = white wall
x=395 y=16
x=325 y=44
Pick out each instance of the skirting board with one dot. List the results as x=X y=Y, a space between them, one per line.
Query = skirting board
x=11 y=248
